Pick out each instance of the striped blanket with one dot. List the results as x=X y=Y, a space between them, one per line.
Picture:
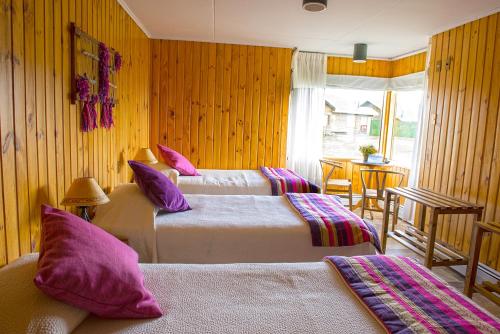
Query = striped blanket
x=285 y=180
x=408 y=298
x=332 y=225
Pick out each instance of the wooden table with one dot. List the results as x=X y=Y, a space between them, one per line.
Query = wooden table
x=370 y=165
x=488 y=289
x=435 y=253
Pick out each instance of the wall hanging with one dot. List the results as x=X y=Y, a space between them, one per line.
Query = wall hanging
x=93 y=68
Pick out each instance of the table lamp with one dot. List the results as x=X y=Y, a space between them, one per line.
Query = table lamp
x=145 y=156
x=84 y=192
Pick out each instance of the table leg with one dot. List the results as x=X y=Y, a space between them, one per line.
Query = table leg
x=385 y=222
x=475 y=250
x=431 y=239
x=395 y=211
x=421 y=224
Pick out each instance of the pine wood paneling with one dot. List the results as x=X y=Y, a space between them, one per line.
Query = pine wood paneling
x=221 y=105
x=377 y=68
x=462 y=128
x=42 y=148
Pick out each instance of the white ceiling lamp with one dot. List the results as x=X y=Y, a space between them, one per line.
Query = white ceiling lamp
x=314 y=5
x=359 y=54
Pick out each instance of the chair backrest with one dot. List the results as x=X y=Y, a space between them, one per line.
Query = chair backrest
x=380 y=178
x=332 y=164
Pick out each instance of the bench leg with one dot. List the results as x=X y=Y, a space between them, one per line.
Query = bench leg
x=475 y=250
x=385 y=222
x=431 y=239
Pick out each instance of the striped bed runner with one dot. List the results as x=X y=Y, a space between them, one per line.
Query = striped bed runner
x=405 y=297
x=285 y=180
x=332 y=225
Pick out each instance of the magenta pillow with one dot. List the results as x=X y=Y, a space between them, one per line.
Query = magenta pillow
x=158 y=188
x=177 y=161
x=82 y=265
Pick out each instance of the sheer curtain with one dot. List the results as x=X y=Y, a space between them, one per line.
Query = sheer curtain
x=305 y=118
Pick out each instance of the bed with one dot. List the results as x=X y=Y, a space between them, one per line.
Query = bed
x=226 y=298
x=218 y=229
x=223 y=182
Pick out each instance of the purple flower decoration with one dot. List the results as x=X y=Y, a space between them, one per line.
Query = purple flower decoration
x=89 y=114
x=118 y=61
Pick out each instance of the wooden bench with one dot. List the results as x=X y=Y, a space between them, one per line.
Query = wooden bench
x=424 y=244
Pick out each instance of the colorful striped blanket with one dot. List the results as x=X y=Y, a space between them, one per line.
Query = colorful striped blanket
x=285 y=180
x=332 y=225
x=405 y=297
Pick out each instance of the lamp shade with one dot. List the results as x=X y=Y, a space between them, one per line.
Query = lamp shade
x=359 y=54
x=145 y=156
x=85 y=191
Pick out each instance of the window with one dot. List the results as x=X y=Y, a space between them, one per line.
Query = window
x=352 y=118
x=406 y=115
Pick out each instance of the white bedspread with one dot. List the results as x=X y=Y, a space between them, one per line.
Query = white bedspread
x=245 y=298
x=244 y=228
x=225 y=182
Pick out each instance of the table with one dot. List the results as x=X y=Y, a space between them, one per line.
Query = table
x=435 y=253
x=488 y=289
x=369 y=165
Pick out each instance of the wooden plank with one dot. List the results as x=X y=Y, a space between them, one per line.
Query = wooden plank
x=201 y=163
x=271 y=101
x=211 y=94
x=169 y=128
x=261 y=158
x=195 y=104
x=233 y=109
x=256 y=106
x=155 y=96
x=179 y=96
x=19 y=140
x=248 y=108
x=280 y=74
x=240 y=118
x=284 y=112
x=219 y=110
x=185 y=138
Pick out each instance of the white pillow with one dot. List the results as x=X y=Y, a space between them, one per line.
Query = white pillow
x=172 y=174
x=26 y=309
x=130 y=216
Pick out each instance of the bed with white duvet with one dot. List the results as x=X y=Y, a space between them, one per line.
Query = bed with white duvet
x=218 y=229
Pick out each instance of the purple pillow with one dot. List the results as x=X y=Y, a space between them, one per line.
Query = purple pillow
x=82 y=265
x=158 y=188
x=177 y=161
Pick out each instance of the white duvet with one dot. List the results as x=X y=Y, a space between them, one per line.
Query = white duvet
x=220 y=182
x=218 y=229
x=230 y=298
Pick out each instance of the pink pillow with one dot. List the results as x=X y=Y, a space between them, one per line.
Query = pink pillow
x=82 y=265
x=177 y=161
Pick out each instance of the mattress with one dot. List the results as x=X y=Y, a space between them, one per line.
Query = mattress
x=219 y=229
x=245 y=298
x=225 y=182
x=240 y=228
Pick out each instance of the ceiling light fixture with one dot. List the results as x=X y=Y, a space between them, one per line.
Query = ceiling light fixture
x=314 y=5
x=359 y=54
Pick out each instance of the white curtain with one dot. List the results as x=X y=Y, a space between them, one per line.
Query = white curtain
x=305 y=119
x=405 y=82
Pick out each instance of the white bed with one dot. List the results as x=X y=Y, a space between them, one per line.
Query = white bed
x=219 y=182
x=230 y=298
x=219 y=229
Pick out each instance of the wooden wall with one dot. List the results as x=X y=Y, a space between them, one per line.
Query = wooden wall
x=377 y=68
x=461 y=153
x=221 y=105
x=42 y=148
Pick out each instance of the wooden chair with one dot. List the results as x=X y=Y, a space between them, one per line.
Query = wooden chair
x=374 y=182
x=340 y=187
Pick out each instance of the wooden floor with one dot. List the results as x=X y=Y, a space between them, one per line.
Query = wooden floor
x=449 y=275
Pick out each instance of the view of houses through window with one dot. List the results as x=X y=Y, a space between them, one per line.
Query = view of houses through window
x=352 y=118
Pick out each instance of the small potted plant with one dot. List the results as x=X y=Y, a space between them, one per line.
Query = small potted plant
x=366 y=150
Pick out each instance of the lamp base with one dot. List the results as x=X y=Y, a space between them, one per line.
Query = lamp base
x=84 y=214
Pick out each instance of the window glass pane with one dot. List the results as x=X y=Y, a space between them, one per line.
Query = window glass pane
x=407 y=108
x=352 y=118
